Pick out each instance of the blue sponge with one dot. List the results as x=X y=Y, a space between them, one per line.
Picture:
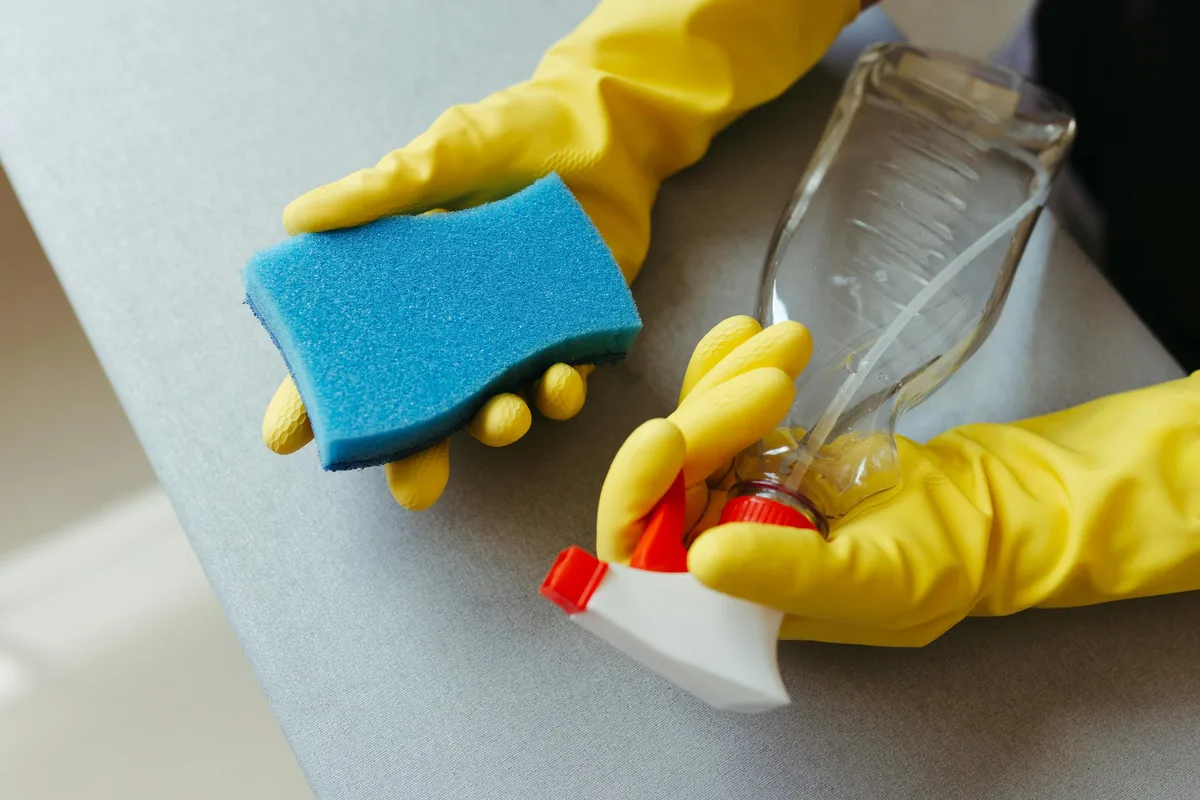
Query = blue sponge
x=398 y=331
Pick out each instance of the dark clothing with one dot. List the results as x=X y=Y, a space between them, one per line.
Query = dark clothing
x=1131 y=71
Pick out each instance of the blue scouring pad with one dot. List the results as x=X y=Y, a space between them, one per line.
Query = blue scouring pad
x=398 y=331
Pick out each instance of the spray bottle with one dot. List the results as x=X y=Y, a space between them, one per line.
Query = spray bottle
x=897 y=252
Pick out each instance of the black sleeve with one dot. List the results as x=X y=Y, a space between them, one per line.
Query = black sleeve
x=1130 y=70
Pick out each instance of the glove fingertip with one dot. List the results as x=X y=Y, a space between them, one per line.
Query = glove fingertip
x=561 y=392
x=766 y=564
x=640 y=474
x=286 y=427
x=293 y=217
x=356 y=199
x=717 y=560
x=311 y=212
x=416 y=482
x=719 y=342
x=503 y=420
x=287 y=439
x=797 y=346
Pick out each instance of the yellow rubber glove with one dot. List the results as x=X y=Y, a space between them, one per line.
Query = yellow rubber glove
x=633 y=95
x=738 y=387
x=1097 y=503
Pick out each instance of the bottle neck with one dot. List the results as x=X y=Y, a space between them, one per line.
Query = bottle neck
x=771 y=504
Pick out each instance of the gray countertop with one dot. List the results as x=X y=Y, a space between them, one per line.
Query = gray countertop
x=154 y=145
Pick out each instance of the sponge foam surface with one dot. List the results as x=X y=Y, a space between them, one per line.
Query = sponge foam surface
x=397 y=332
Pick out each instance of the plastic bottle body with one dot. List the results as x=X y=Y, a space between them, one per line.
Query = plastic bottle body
x=897 y=251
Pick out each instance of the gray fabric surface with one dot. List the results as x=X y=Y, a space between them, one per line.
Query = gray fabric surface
x=154 y=145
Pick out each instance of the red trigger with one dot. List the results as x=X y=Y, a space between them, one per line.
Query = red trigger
x=661 y=547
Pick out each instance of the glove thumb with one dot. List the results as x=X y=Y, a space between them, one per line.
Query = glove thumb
x=471 y=154
x=848 y=578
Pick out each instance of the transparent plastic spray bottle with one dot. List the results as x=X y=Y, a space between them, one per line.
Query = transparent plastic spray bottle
x=897 y=252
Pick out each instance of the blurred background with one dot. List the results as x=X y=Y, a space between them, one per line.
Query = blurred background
x=119 y=677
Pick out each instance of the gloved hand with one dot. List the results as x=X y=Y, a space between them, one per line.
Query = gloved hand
x=633 y=95
x=738 y=387
x=1096 y=503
